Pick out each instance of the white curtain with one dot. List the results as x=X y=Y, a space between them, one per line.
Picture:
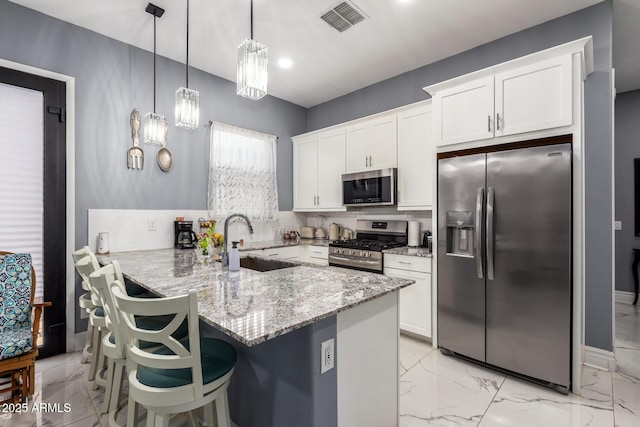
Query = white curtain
x=242 y=173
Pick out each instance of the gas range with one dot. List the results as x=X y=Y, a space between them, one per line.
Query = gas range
x=365 y=252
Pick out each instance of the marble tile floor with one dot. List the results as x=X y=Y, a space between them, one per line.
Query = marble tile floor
x=435 y=390
x=438 y=390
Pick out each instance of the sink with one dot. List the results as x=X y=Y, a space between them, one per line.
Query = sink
x=259 y=264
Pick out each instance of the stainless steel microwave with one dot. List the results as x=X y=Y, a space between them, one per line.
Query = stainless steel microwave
x=370 y=188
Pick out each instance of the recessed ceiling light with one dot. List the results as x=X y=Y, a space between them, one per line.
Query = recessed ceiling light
x=285 y=62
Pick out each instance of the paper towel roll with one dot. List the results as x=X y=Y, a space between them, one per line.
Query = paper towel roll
x=414 y=233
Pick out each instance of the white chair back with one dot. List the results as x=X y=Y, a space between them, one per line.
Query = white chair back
x=77 y=256
x=85 y=266
x=181 y=307
x=102 y=280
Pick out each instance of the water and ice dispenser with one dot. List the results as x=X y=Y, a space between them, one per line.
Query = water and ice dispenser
x=460 y=233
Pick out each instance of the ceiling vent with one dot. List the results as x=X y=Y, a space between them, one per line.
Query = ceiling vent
x=343 y=16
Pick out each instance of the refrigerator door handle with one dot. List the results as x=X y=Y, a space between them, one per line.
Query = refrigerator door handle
x=478 y=233
x=490 y=234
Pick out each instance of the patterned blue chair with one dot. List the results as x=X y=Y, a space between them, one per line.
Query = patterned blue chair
x=18 y=325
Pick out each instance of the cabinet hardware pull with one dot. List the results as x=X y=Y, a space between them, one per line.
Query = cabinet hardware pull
x=366 y=161
x=274 y=254
x=370 y=161
x=318 y=200
x=489 y=123
x=498 y=121
x=404 y=262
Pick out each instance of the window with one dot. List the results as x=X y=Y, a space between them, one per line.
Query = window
x=242 y=173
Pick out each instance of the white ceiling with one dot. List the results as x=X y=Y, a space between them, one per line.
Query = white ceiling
x=396 y=37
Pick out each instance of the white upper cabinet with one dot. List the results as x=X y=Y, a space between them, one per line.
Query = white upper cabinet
x=318 y=165
x=371 y=144
x=416 y=158
x=533 y=97
x=464 y=113
x=331 y=166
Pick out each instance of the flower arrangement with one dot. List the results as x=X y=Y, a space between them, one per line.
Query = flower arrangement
x=208 y=240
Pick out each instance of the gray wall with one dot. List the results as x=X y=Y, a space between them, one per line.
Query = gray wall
x=627 y=148
x=111 y=79
x=596 y=21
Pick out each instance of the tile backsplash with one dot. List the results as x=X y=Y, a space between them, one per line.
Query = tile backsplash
x=348 y=219
x=133 y=229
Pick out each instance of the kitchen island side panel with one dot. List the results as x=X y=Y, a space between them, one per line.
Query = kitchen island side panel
x=278 y=383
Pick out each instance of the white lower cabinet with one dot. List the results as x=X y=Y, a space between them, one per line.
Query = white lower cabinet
x=415 y=299
x=285 y=252
x=314 y=254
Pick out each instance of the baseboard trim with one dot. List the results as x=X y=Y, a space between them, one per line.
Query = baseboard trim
x=625 y=297
x=599 y=359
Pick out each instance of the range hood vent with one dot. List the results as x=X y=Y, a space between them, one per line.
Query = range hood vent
x=343 y=16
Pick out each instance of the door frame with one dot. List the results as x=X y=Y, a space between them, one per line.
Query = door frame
x=70 y=188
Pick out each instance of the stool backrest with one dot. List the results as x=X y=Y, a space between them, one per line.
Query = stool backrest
x=180 y=307
x=102 y=280
x=77 y=256
x=85 y=266
x=17 y=289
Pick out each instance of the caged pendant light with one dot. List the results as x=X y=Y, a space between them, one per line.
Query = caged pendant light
x=154 y=123
x=187 y=100
x=252 y=67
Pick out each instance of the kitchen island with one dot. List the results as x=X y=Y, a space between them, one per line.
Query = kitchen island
x=277 y=321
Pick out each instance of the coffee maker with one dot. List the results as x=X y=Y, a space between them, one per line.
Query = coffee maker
x=185 y=237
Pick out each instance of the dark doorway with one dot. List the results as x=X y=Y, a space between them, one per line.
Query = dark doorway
x=54 y=251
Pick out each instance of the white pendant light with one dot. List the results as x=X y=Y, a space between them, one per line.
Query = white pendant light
x=252 y=67
x=187 y=100
x=154 y=123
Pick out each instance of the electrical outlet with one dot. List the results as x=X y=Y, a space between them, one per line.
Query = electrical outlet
x=151 y=224
x=617 y=225
x=327 y=355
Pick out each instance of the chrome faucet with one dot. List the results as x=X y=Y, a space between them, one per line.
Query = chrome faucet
x=225 y=254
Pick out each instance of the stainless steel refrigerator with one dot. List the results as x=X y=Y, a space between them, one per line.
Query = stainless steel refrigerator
x=504 y=260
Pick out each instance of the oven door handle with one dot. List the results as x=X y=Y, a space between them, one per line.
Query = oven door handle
x=360 y=261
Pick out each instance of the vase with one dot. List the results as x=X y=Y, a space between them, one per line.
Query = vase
x=203 y=257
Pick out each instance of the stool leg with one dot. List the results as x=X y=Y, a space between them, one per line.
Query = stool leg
x=108 y=389
x=86 y=352
x=222 y=410
x=94 y=354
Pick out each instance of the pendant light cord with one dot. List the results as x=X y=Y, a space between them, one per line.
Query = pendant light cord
x=251 y=19
x=187 y=71
x=154 y=64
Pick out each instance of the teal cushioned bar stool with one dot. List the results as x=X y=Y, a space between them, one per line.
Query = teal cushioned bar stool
x=113 y=343
x=181 y=375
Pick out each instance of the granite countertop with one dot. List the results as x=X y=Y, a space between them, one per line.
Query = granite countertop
x=407 y=250
x=250 y=306
x=253 y=246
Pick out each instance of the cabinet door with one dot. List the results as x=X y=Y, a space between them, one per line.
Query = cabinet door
x=535 y=97
x=305 y=174
x=415 y=302
x=464 y=113
x=416 y=158
x=331 y=166
x=383 y=145
x=358 y=141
